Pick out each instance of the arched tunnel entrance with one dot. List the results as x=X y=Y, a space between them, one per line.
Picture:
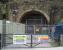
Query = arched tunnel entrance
x=33 y=21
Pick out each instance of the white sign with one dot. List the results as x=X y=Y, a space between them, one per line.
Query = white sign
x=19 y=39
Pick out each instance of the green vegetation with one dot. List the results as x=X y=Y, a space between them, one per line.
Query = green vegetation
x=4 y=9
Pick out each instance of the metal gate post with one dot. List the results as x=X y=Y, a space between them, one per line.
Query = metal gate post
x=31 y=41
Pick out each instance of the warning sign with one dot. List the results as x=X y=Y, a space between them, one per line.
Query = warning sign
x=43 y=38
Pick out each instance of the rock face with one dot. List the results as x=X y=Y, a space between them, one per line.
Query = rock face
x=47 y=7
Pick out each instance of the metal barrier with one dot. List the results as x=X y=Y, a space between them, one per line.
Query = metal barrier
x=44 y=36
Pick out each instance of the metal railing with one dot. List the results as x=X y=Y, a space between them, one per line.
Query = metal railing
x=46 y=36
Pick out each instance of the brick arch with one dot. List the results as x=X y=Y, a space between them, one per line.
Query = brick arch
x=38 y=11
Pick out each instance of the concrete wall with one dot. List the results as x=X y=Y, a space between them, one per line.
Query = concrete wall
x=13 y=28
x=0 y=26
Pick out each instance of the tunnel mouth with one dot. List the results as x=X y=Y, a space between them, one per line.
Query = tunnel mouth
x=33 y=15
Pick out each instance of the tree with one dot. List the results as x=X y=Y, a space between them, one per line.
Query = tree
x=4 y=1
x=54 y=12
x=4 y=8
